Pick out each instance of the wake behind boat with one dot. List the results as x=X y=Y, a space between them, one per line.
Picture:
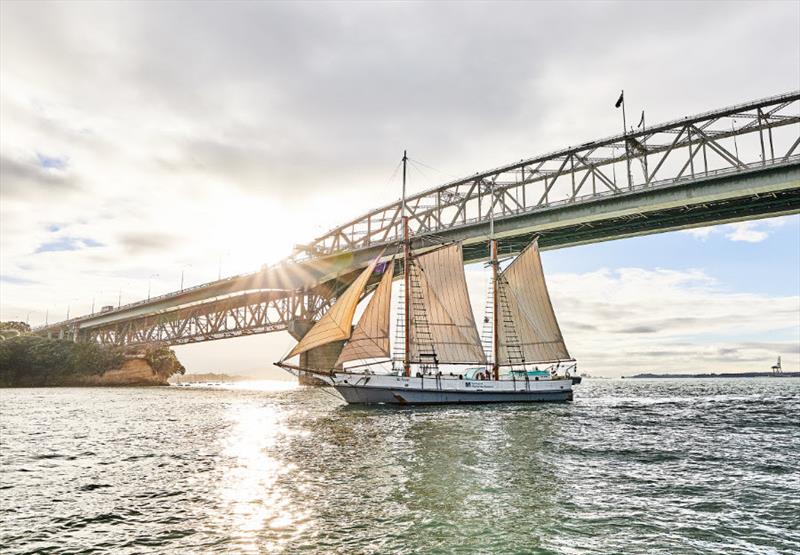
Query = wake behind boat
x=443 y=357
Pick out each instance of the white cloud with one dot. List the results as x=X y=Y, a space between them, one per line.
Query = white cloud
x=749 y=232
x=700 y=232
x=629 y=320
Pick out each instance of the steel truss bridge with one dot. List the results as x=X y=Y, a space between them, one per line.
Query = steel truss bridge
x=733 y=164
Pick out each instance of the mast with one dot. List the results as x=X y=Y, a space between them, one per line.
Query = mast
x=495 y=313
x=531 y=332
x=495 y=310
x=406 y=280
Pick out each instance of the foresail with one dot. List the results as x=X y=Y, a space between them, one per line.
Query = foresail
x=442 y=325
x=370 y=338
x=337 y=323
x=528 y=330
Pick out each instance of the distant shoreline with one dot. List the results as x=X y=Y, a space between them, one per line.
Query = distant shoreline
x=210 y=377
x=712 y=375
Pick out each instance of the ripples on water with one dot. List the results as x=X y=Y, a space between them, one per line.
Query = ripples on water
x=663 y=466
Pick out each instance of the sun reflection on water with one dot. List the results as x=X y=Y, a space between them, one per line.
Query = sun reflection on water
x=252 y=491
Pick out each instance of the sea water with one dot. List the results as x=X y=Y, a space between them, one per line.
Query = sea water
x=631 y=466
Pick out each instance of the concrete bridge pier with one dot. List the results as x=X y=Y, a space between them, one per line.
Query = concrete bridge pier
x=322 y=357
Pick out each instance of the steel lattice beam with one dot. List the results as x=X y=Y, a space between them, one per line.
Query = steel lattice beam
x=665 y=154
x=231 y=317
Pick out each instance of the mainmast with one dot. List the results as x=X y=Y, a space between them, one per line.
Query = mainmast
x=406 y=280
x=495 y=311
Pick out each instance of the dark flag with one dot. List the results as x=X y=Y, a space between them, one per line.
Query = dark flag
x=641 y=121
x=620 y=100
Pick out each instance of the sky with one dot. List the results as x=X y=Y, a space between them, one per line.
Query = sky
x=143 y=143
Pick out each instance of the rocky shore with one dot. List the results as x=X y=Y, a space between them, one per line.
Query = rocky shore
x=152 y=366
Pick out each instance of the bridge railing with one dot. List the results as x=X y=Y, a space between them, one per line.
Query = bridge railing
x=734 y=139
x=665 y=183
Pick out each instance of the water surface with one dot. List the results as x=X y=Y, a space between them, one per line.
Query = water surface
x=661 y=466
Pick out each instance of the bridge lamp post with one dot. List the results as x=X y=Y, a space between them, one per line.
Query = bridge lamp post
x=182 y=271
x=119 y=295
x=219 y=264
x=127 y=288
x=69 y=304
x=94 y=299
x=149 y=283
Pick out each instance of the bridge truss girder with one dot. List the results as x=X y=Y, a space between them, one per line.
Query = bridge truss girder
x=660 y=156
x=247 y=314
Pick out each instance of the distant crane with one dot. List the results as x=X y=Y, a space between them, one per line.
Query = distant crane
x=776 y=369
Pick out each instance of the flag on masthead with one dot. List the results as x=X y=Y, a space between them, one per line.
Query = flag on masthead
x=620 y=100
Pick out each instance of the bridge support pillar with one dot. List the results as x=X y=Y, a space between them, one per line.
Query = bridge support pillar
x=322 y=357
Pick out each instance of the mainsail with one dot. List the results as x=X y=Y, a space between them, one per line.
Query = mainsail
x=442 y=326
x=528 y=330
x=337 y=323
x=370 y=338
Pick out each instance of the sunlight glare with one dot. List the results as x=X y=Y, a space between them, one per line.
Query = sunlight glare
x=251 y=491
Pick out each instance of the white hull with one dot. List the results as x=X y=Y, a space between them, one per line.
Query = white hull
x=430 y=390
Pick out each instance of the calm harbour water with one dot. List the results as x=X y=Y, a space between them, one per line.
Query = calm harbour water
x=662 y=466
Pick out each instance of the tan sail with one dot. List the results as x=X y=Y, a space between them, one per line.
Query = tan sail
x=337 y=323
x=441 y=316
x=528 y=330
x=370 y=338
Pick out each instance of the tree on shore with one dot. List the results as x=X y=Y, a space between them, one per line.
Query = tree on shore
x=30 y=360
x=13 y=329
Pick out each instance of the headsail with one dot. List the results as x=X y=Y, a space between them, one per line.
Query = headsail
x=528 y=330
x=370 y=338
x=337 y=323
x=442 y=325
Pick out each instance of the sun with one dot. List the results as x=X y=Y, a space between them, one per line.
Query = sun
x=255 y=232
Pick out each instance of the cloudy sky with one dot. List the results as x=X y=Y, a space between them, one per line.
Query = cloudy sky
x=140 y=141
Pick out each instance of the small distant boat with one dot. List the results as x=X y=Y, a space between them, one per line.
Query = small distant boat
x=443 y=357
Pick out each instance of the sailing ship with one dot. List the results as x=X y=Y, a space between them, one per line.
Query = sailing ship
x=443 y=359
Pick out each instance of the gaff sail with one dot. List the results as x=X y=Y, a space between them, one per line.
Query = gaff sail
x=370 y=337
x=337 y=323
x=442 y=325
x=528 y=330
